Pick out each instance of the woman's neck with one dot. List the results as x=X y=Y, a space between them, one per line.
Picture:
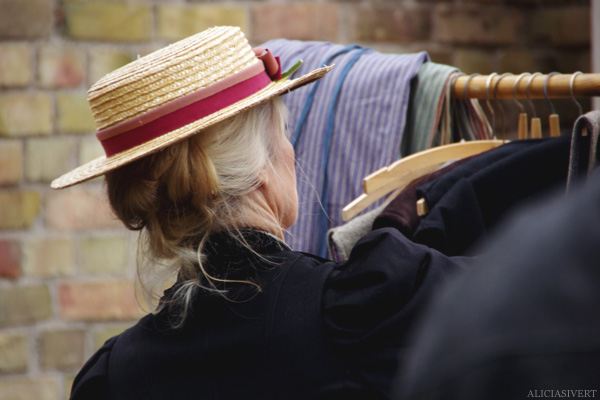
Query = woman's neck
x=260 y=215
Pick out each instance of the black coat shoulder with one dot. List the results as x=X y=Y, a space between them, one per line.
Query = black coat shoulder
x=318 y=330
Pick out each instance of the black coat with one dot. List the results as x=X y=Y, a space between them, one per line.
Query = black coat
x=525 y=321
x=317 y=330
x=467 y=202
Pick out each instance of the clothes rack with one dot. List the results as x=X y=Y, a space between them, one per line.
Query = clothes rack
x=493 y=86
x=558 y=86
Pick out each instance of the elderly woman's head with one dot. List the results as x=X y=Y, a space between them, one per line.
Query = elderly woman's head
x=194 y=136
x=238 y=173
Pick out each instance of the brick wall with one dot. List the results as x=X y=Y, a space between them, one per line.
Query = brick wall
x=66 y=265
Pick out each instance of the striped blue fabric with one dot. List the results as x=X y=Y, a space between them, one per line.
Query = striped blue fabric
x=344 y=127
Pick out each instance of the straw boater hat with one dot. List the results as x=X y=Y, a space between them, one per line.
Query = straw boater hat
x=176 y=92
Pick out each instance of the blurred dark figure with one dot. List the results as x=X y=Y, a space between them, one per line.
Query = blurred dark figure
x=526 y=322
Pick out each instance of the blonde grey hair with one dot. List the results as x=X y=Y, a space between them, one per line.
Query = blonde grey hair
x=196 y=187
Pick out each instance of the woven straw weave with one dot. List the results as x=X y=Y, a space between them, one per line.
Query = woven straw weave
x=175 y=71
x=166 y=75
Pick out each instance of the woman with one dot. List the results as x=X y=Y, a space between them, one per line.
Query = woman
x=197 y=159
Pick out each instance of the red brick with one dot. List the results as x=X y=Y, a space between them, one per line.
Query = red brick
x=19 y=208
x=516 y=61
x=98 y=301
x=561 y=26
x=48 y=257
x=437 y=54
x=62 y=349
x=571 y=61
x=104 y=60
x=11 y=162
x=47 y=158
x=390 y=23
x=474 y=61
x=79 y=208
x=478 y=25
x=24 y=114
x=10 y=259
x=74 y=114
x=25 y=19
x=301 y=21
x=60 y=67
x=24 y=304
x=15 y=65
x=108 y=20
x=176 y=22
x=14 y=354
x=101 y=255
x=19 y=387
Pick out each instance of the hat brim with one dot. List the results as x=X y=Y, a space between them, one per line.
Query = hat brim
x=103 y=164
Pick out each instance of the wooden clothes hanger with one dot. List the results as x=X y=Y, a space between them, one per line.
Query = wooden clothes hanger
x=401 y=173
x=553 y=121
x=536 y=122
x=502 y=132
x=522 y=125
x=571 y=82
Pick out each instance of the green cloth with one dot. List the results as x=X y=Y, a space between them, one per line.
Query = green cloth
x=434 y=118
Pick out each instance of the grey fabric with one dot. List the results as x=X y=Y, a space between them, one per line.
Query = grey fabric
x=591 y=122
x=341 y=239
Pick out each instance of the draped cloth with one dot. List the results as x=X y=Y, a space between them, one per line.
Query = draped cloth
x=343 y=127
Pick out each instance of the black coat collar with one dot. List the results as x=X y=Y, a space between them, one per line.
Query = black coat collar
x=236 y=258
x=249 y=243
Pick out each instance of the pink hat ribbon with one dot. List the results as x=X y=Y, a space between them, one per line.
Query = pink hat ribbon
x=192 y=107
